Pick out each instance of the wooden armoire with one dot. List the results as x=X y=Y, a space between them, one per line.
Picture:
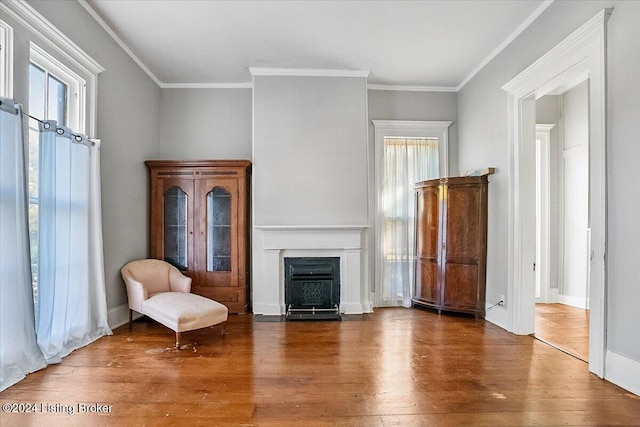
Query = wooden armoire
x=200 y=224
x=451 y=244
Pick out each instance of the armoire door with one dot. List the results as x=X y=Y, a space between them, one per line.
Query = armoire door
x=427 y=249
x=174 y=221
x=216 y=225
x=463 y=248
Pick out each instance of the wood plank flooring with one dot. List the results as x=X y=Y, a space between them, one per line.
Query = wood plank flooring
x=400 y=367
x=565 y=327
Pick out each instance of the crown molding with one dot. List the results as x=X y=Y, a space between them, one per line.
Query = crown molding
x=307 y=72
x=26 y=15
x=538 y=72
x=247 y=85
x=411 y=124
x=118 y=40
x=412 y=88
x=506 y=42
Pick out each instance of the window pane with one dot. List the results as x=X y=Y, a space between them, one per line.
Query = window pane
x=57 y=100
x=37 y=90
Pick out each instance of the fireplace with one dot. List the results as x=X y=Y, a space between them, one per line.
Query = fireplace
x=312 y=288
x=272 y=244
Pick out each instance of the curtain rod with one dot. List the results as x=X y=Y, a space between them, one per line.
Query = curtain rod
x=89 y=140
x=17 y=110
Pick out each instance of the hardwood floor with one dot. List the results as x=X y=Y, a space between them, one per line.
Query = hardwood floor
x=400 y=367
x=565 y=327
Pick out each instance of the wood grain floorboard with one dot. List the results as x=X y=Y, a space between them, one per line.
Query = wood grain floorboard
x=565 y=327
x=401 y=367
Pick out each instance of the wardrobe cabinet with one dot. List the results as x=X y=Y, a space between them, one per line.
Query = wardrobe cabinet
x=199 y=223
x=451 y=244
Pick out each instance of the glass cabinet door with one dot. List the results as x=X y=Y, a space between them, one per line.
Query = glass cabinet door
x=218 y=230
x=175 y=227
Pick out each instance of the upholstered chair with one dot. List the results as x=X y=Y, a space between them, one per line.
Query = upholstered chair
x=160 y=291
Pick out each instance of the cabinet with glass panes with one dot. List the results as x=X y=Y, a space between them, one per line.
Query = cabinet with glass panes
x=199 y=223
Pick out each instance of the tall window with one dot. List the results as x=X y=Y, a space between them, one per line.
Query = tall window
x=406 y=161
x=53 y=95
x=406 y=152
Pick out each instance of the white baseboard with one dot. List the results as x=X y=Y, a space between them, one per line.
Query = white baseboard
x=623 y=372
x=573 y=301
x=119 y=316
x=267 y=309
x=498 y=316
x=553 y=295
x=351 y=308
x=367 y=307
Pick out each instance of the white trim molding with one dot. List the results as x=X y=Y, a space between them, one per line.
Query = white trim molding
x=623 y=371
x=400 y=88
x=543 y=210
x=119 y=41
x=247 y=85
x=506 y=42
x=56 y=44
x=583 y=51
x=6 y=60
x=26 y=15
x=306 y=72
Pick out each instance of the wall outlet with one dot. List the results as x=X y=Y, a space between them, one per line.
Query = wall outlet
x=502 y=300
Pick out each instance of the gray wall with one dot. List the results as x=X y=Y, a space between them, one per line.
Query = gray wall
x=408 y=105
x=205 y=124
x=483 y=136
x=127 y=124
x=310 y=151
x=623 y=156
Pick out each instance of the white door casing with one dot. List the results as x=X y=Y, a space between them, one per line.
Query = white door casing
x=581 y=53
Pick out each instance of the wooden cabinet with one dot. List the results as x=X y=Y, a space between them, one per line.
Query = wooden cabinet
x=199 y=223
x=451 y=244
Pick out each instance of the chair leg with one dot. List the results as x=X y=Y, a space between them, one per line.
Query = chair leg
x=130 y=318
x=177 y=339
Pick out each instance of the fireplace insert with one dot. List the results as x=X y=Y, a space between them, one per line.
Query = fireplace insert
x=312 y=288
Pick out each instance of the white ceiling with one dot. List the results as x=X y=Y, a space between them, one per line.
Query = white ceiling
x=428 y=44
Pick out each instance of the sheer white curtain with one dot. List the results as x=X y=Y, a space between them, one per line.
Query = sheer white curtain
x=406 y=161
x=19 y=352
x=72 y=309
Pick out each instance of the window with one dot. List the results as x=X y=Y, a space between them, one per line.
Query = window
x=406 y=152
x=54 y=94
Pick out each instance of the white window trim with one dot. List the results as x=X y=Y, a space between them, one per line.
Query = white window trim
x=50 y=39
x=76 y=102
x=402 y=128
x=6 y=60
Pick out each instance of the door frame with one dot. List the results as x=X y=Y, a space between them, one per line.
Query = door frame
x=582 y=54
x=543 y=211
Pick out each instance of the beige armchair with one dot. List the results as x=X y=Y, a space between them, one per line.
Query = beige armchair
x=160 y=291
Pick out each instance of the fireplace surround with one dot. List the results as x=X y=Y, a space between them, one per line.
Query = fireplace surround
x=272 y=244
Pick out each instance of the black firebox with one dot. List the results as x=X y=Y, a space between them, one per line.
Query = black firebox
x=312 y=288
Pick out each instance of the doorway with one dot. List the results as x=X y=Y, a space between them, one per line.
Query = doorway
x=562 y=225
x=580 y=56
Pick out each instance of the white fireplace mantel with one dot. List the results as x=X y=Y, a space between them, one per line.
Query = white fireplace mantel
x=279 y=242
